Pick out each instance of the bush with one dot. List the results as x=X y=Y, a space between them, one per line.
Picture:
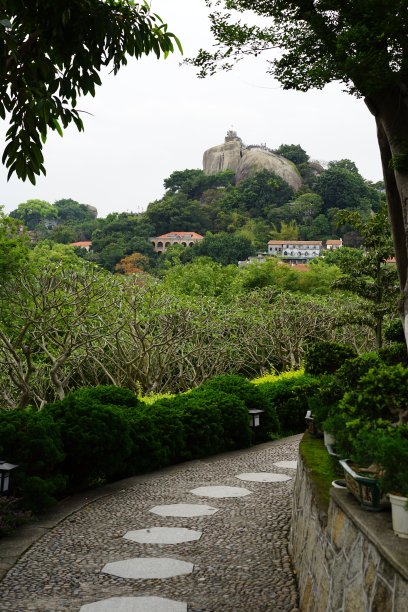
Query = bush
x=395 y=331
x=289 y=397
x=95 y=437
x=233 y=412
x=353 y=370
x=394 y=354
x=254 y=399
x=167 y=427
x=324 y=400
x=108 y=395
x=327 y=357
x=148 y=451
x=381 y=393
x=31 y=440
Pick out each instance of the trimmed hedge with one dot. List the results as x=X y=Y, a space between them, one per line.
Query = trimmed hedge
x=290 y=397
x=32 y=440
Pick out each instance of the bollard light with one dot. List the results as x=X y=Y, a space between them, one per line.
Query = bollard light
x=254 y=417
x=5 y=469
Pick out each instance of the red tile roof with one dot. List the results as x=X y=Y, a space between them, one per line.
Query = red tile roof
x=334 y=242
x=84 y=243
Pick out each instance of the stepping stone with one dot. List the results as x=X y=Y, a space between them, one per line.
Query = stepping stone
x=163 y=535
x=184 y=510
x=148 y=567
x=292 y=465
x=264 y=477
x=221 y=491
x=135 y=604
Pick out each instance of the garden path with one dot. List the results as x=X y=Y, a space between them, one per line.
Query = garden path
x=203 y=536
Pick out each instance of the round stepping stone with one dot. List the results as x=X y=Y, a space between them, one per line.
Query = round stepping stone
x=184 y=510
x=135 y=604
x=264 y=477
x=221 y=491
x=163 y=535
x=148 y=567
x=292 y=465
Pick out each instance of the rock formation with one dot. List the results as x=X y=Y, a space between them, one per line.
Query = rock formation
x=245 y=161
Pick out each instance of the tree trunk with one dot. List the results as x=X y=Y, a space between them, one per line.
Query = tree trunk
x=390 y=108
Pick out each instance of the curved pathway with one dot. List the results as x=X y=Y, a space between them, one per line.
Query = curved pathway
x=235 y=558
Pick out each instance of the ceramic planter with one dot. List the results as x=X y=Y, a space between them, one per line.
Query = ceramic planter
x=329 y=439
x=310 y=425
x=399 y=515
x=364 y=488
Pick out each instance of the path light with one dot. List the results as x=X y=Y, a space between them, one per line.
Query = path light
x=254 y=418
x=5 y=469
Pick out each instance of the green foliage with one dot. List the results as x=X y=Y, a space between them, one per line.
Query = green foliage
x=394 y=332
x=31 y=440
x=13 y=246
x=203 y=276
x=108 y=395
x=342 y=188
x=381 y=393
x=353 y=370
x=224 y=248
x=235 y=419
x=289 y=397
x=95 y=436
x=327 y=357
x=294 y=153
x=51 y=54
x=34 y=212
x=394 y=354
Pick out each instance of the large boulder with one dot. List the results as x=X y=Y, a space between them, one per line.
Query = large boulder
x=246 y=161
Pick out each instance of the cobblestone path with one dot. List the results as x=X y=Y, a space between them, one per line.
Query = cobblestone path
x=241 y=561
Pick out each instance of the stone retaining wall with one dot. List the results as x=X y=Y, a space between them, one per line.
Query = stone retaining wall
x=346 y=559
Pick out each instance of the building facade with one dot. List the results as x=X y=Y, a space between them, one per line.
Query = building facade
x=295 y=251
x=187 y=239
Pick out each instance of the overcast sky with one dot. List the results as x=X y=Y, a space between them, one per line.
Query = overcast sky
x=155 y=117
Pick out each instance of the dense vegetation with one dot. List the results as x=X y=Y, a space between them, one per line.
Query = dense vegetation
x=236 y=220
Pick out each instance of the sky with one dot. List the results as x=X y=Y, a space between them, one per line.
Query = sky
x=156 y=117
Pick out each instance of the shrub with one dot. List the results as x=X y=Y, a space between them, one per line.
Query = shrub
x=168 y=428
x=325 y=398
x=289 y=397
x=395 y=331
x=108 y=395
x=253 y=398
x=96 y=438
x=31 y=440
x=394 y=354
x=148 y=449
x=354 y=369
x=327 y=357
x=381 y=393
x=233 y=413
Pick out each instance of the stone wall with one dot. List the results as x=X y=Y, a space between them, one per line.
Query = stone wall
x=346 y=559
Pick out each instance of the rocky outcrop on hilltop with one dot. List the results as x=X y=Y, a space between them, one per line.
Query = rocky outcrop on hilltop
x=245 y=161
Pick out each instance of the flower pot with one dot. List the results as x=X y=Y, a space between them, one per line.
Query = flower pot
x=364 y=488
x=329 y=439
x=339 y=484
x=399 y=515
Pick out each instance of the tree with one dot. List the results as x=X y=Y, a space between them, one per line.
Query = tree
x=34 y=213
x=341 y=187
x=135 y=263
x=224 y=248
x=13 y=246
x=72 y=211
x=368 y=274
x=51 y=53
x=363 y=44
x=294 y=153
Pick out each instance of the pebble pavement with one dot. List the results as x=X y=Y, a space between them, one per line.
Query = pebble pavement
x=241 y=561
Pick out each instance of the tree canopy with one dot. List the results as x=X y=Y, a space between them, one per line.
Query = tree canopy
x=53 y=52
x=363 y=44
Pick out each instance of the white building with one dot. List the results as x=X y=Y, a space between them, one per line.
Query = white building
x=296 y=251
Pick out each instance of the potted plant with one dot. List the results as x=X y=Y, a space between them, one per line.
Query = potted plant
x=392 y=452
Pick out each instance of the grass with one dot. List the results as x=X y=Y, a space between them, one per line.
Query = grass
x=321 y=465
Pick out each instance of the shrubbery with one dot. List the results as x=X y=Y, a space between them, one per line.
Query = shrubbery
x=289 y=397
x=327 y=357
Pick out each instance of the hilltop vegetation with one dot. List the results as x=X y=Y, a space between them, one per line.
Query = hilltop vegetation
x=260 y=208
